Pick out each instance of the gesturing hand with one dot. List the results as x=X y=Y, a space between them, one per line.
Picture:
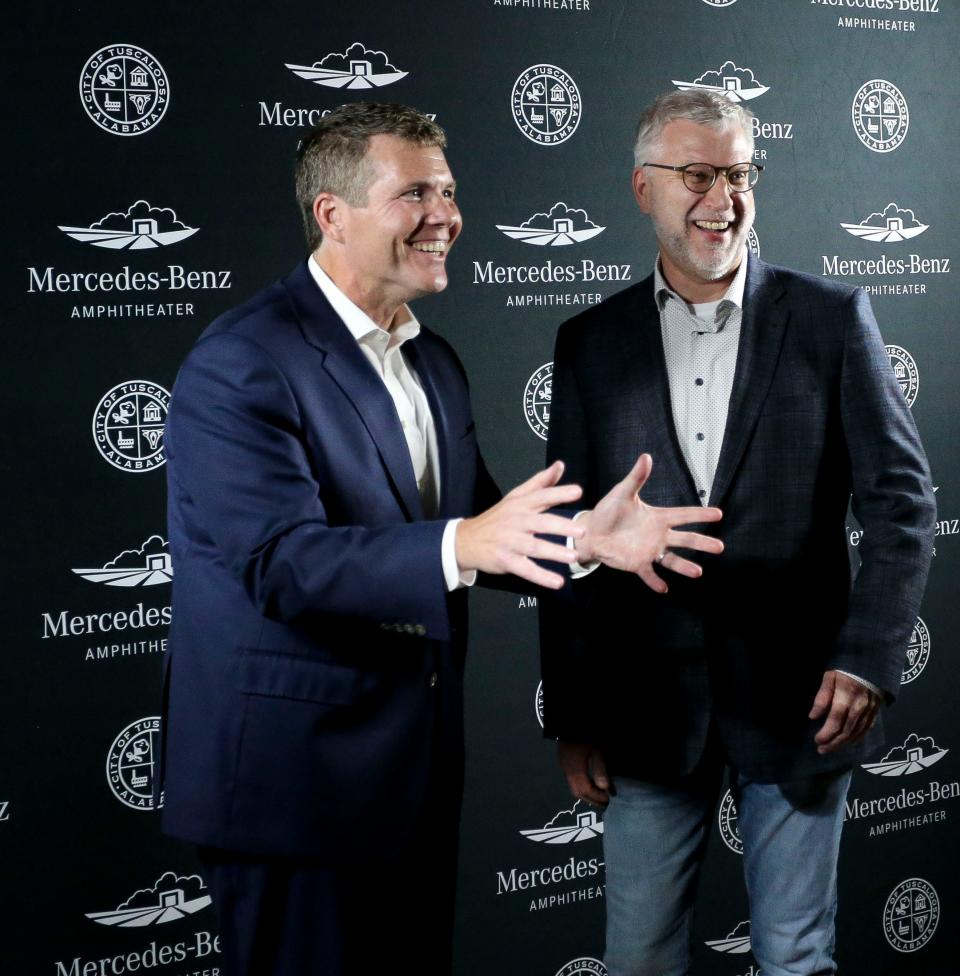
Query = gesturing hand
x=852 y=708
x=503 y=539
x=624 y=533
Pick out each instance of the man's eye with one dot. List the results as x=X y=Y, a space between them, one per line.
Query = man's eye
x=448 y=194
x=738 y=177
x=698 y=176
x=416 y=193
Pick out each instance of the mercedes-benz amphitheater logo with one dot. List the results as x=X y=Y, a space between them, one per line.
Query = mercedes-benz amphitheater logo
x=880 y=115
x=727 y=822
x=128 y=426
x=140 y=227
x=170 y=898
x=890 y=227
x=579 y=823
x=905 y=370
x=560 y=227
x=584 y=966
x=918 y=652
x=914 y=756
x=147 y=566
x=124 y=89
x=738 y=84
x=130 y=763
x=736 y=942
x=356 y=68
x=911 y=914
x=545 y=102
x=536 y=399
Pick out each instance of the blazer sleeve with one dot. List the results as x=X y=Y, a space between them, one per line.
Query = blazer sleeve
x=893 y=501
x=241 y=481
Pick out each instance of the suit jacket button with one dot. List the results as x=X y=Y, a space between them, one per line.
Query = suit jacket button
x=420 y=630
x=433 y=679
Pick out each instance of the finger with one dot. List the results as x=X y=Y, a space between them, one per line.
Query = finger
x=646 y=573
x=555 y=525
x=583 y=789
x=599 y=769
x=638 y=475
x=542 y=479
x=529 y=570
x=677 y=564
x=836 y=722
x=690 y=515
x=543 y=498
x=824 y=696
x=534 y=548
x=694 y=540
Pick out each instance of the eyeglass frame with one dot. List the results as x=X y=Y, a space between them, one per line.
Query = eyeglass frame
x=717 y=170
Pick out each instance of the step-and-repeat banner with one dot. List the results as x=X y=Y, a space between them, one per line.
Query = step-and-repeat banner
x=149 y=157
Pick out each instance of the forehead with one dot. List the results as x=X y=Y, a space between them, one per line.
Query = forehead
x=698 y=143
x=397 y=159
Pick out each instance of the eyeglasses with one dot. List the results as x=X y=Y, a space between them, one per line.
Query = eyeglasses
x=700 y=177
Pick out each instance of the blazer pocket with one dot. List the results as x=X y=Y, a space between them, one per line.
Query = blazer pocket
x=273 y=674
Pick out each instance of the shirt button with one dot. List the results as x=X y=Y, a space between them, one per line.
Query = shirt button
x=699 y=437
x=702 y=493
x=699 y=381
x=433 y=680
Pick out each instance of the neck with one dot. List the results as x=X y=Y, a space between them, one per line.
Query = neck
x=381 y=309
x=695 y=291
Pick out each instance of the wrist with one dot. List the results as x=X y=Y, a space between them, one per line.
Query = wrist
x=586 y=552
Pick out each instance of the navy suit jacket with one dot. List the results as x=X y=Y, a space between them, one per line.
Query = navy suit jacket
x=313 y=683
x=815 y=416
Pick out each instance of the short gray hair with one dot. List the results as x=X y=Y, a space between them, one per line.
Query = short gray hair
x=697 y=105
x=333 y=157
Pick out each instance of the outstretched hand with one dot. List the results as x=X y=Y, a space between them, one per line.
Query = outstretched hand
x=503 y=539
x=625 y=533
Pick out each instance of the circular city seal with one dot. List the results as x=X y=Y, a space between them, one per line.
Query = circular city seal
x=128 y=426
x=124 y=89
x=918 y=652
x=905 y=370
x=727 y=821
x=753 y=243
x=880 y=116
x=546 y=104
x=719 y=3
x=536 y=400
x=130 y=763
x=538 y=704
x=911 y=914
x=584 y=966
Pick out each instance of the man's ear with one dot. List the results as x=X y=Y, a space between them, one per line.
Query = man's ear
x=328 y=212
x=641 y=189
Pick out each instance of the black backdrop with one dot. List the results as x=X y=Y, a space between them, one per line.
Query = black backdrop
x=124 y=244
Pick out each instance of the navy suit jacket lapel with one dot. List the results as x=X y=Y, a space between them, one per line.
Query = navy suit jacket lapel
x=420 y=362
x=762 y=330
x=643 y=349
x=350 y=370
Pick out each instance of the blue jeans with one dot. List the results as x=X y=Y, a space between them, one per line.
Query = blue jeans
x=654 y=838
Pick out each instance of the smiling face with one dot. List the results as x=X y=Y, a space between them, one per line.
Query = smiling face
x=701 y=235
x=393 y=248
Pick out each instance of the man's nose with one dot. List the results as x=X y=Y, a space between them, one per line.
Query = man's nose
x=719 y=194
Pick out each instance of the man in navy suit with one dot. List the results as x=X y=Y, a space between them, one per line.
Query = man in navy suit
x=768 y=393
x=328 y=508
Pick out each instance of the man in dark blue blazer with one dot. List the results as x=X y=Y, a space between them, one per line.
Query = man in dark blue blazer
x=767 y=393
x=328 y=507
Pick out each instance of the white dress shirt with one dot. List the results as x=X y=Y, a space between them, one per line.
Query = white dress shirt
x=382 y=350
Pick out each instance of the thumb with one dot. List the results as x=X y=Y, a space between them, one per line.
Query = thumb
x=824 y=696
x=638 y=475
x=600 y=776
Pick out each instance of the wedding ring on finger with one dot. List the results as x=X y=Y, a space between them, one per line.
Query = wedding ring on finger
x=661 y=557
